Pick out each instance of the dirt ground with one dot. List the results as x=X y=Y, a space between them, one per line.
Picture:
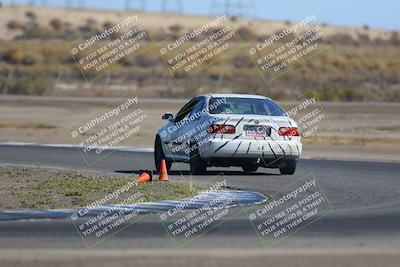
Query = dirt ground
x=370 y=128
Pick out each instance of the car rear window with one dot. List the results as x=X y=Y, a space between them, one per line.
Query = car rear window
x=242 y=106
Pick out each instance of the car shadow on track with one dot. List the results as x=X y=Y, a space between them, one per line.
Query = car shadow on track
x=208 y=173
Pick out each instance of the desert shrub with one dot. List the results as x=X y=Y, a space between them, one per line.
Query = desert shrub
x=287 y=38
x=56 y=24
x=69 y=32
x=90 y=26
x=47 y=51
x=107 y=25
x=246 y=33
x=343 y=39
x=242 y=60
x=15 y=25
x=18 y=55
x=31 y=58
x=159 y=35
x=233 y=18
x=337 y=93
x=30 y=15
x=395 y=38
x=176 y=28
x=33 y=84
x=35 y=31
x=364 y=39
x=145 y=60
x=13 y=55
x=168 y=92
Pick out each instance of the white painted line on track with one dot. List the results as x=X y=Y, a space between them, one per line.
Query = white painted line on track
x=118 y=148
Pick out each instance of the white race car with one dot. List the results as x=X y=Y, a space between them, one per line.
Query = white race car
x=224 y=130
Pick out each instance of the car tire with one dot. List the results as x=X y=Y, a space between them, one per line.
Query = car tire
x=288 y=167
x=159 y=155
x=249 y=167
x=198 y=166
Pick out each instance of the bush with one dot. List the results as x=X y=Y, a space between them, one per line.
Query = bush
x=90 y=26
x=246 y=34
x=176 y=28
x=29 y=85
x=395 y=38
x=13 y=55
x=242 y=60
x=15 y=25
x=32 y=58
x=145 y=61
x=343 y=39
x=30 y=15
x=34 y=31
x=159 y=35
x=56 y=24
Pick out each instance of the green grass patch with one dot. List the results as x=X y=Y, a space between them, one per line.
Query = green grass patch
x=389 y=128
x=35 y=188
x=80 y=191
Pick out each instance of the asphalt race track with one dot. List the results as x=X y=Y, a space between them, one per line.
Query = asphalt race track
x=364 y=196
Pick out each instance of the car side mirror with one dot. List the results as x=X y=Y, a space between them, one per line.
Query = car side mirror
x=168 y=116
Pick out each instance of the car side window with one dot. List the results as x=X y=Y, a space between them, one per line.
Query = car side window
x=200 y=104
x=186 y=110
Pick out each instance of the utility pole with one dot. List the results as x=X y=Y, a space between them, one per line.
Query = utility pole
x=233 y=8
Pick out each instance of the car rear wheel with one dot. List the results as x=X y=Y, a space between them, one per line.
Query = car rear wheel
x=159 y=155
x=288 y=167
x=198 y=166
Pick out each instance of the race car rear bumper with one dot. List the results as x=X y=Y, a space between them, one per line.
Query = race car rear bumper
x=251 y=149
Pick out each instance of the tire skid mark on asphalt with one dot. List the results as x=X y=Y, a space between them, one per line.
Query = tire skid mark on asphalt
x=237 y=197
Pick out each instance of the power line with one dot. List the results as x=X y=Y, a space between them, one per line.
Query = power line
x=233 y=8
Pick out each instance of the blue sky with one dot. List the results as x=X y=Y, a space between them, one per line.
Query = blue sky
x=383 y=14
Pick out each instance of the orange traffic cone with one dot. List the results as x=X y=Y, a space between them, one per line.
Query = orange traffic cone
x=145 y=177
x=163 y=171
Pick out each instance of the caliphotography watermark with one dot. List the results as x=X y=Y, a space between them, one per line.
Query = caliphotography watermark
x=98 y=52
x=190 y=138
x=195 y=50
x=198 y=215
x=290 y=210
x=99 y=135
x=309 y=115
x=283 y=50
x=108 y=215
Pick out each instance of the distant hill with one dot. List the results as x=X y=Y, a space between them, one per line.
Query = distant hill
x=157 y=21
x=354 y=64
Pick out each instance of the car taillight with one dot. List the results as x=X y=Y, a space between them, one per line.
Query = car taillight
x=221 y=129
x=288 y=131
